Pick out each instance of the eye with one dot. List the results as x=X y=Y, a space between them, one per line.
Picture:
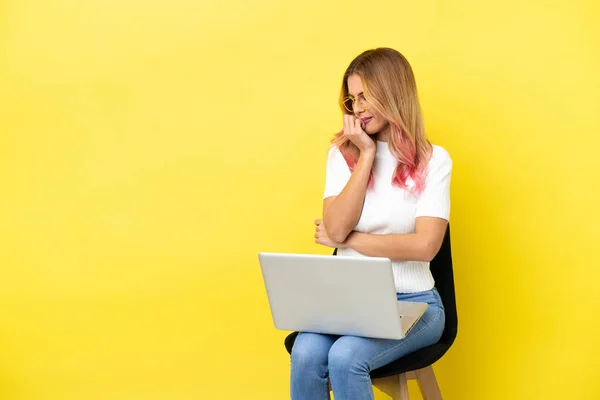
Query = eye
x=349 y=103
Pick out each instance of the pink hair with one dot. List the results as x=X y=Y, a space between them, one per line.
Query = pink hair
x=390 y=88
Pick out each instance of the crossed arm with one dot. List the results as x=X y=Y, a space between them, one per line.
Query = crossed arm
x=422 y=245
x=342 y=212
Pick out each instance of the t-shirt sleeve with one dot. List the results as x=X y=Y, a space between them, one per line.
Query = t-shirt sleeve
x=435 y=199
x=337 y=173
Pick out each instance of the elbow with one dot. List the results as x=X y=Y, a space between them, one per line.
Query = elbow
x=429 y=251
x=336 y=231
x=428 y=257
x=338 y=236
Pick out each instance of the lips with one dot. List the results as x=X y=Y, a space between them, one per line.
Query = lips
x=366 y=120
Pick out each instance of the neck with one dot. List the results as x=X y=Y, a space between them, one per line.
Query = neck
x=383 y=136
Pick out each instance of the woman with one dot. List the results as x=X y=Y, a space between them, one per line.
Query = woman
x=387 y=194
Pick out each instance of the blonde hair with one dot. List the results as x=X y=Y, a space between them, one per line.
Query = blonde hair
x=390 y=88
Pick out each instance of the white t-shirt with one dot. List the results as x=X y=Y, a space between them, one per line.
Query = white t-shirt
x=389 y=209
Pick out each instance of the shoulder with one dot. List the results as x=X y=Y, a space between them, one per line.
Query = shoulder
x=332 y=149
x=440 y=163
x=439 y=156
x=440 y=153
x=334 y=154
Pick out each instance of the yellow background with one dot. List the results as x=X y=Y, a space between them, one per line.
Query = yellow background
x=150 y=149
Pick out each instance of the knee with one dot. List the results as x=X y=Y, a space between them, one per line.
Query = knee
x=342 y=359
x=308 y=353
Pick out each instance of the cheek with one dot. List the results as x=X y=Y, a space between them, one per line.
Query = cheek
x=377 y=124
x=380 y=122
x=378 y=118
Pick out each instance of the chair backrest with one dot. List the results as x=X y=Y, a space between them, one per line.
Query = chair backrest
x=441 y=269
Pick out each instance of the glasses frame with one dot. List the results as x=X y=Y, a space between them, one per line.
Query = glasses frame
x=364 y=103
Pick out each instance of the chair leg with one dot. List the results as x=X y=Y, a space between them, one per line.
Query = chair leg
x=403 y=387
x=428 y=384
x=394 y=386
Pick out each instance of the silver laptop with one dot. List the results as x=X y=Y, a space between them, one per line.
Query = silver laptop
x=336 y=295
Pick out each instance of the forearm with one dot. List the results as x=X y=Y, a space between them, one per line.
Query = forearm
x=342 y=215
x=396 y=247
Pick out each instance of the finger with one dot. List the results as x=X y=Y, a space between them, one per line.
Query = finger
x=346 y=124
x=351 y=119
x=348 y=120
x=358 y=125
x=318 y=221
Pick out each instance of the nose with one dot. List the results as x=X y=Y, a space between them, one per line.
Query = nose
x=358 y=108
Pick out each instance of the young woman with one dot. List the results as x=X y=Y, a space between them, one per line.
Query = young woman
x=387 y=194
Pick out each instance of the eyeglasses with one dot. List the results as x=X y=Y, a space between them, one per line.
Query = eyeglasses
x=350 y=100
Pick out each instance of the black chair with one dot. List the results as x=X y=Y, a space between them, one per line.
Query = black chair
x=392 y=378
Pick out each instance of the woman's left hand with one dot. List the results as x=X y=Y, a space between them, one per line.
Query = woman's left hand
x=321 y=236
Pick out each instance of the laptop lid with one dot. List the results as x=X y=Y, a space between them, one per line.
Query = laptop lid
x=332 y=294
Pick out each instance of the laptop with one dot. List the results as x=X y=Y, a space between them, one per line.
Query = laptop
x=336 y=295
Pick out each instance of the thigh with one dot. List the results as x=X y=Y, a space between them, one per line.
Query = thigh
x=371 y=353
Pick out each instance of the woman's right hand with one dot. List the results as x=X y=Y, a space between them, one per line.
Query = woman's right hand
x=355 y=133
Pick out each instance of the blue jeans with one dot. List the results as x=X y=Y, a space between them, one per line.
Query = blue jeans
x=347 y=360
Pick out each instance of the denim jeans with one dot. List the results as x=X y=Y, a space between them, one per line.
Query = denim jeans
x=347 y=360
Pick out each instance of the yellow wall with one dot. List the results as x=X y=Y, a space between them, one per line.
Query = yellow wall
x=150 y=149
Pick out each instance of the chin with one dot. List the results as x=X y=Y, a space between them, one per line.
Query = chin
x=370 y=130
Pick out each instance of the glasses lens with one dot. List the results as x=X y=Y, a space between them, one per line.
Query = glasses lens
x=348 y=104
x=364 y=104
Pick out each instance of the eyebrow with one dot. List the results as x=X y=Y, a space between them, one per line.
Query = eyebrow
x=351 y=95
